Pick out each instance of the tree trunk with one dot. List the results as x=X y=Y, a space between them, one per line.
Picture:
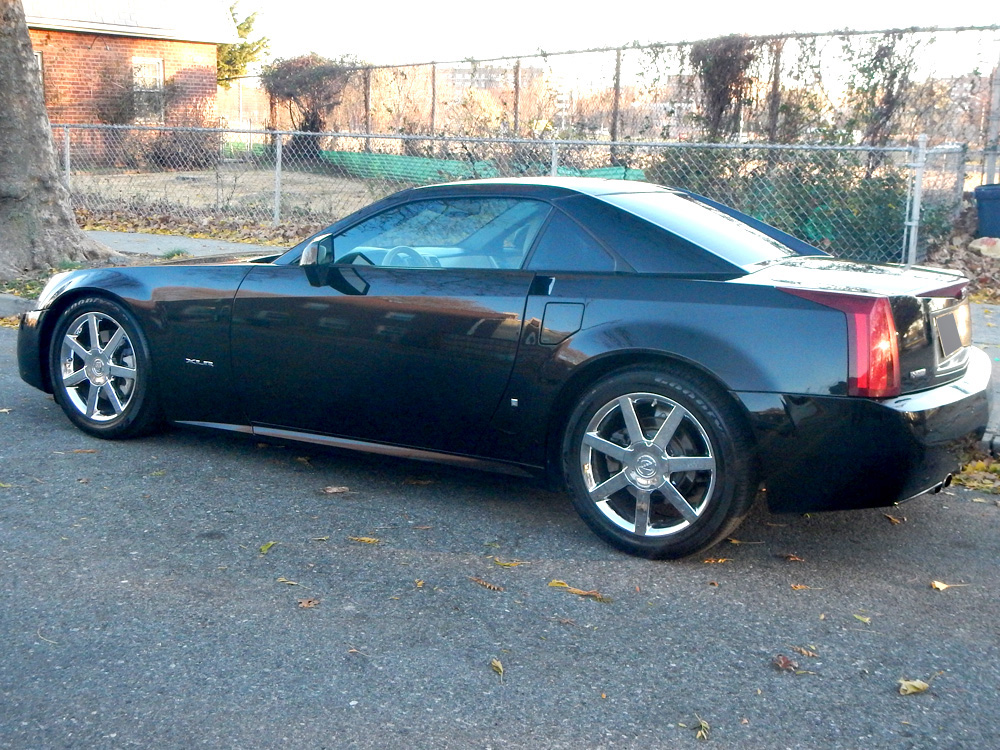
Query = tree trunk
x=37 y=227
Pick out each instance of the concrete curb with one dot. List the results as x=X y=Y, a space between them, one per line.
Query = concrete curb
x=11 y=304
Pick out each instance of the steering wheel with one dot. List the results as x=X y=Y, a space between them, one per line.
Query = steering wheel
x=410 y=256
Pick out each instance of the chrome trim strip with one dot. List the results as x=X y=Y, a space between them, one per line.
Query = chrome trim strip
x=244 y=428
x=391 y=450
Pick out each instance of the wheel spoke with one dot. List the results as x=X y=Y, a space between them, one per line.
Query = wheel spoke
x=642 y=512
x=114 y=342
x=77 y=348
x=120 y=371
x=612 y=450
x=666 y=432
x=92 y=402
x=112 y=396
x=75 y=378
x=95 y=341
x=691 y=463
x=610 y=486
x=676 y=499
x=627 y=407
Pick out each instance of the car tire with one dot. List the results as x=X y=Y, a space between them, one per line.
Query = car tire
x=101 y=371
x=659 y=462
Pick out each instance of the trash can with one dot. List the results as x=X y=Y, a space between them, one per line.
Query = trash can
x=988 y=206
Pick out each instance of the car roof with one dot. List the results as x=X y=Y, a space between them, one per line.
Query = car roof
x=593 y=186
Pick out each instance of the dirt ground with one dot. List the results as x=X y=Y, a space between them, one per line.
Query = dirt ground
x=234 y=189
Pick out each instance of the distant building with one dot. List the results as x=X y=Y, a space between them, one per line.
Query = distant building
x=128 y=61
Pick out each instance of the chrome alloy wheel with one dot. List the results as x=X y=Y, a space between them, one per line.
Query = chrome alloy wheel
x=98 y=366
x=648 y=464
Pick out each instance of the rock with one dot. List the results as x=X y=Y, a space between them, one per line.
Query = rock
x=988 y=246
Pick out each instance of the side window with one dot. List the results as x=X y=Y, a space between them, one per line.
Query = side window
x=564 y=246
x=445 y=233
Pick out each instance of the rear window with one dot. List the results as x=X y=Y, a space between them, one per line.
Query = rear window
x=702 y=226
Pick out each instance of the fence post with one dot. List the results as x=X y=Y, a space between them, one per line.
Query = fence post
x=277 y=178
x=960 y=180
x=616 y=103
x=368 y=107
x=434 y=96
x=554 y=171
x=517 y=99
x=913 y=225
x=66 y=161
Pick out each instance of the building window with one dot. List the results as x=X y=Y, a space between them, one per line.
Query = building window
x=38 y=64
x=147 y=89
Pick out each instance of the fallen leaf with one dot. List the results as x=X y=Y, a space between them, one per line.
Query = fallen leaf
x=713 y=583
x=497 y=667
x=511 y=564
x=701 y=729
x=308 y=603
x=793 y=558
x=486 y=584
x=266 y=547
x=594 y=594
x=418 y=481
x=331 y=490
x=365 y=539
x=423 y=528
x=910 y=687
x=865 y=620
x=5 y=410
x=85 y=450
x=282 y=579
x=717 y=560
x=320 y=539
x=800 y=587
x=419 y=584
x=83 y=480
x=304 y=460
x=805 y=652
x=980 y=500
x=783 y=663
x=893 y=520
x=939 y=586
x=157 y=473
x=738 y=541
x=803 y=671
x=5 y=486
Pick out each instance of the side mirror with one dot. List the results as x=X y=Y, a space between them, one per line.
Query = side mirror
x=310 y=256
x=317 y=252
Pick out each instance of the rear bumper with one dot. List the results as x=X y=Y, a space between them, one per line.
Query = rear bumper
x=838 y=453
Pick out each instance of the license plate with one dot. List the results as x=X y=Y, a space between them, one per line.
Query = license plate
x=948 y=336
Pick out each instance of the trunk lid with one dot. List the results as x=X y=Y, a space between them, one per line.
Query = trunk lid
x=929 y=307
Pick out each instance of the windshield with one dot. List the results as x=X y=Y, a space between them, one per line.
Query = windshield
x=702 y=225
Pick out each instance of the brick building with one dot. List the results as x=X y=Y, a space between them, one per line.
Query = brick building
x=128 y=61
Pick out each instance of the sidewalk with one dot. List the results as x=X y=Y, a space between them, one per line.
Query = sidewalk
x=162 y=244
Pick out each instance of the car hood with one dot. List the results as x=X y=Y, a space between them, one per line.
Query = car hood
x=840 y=275
x=221 y=259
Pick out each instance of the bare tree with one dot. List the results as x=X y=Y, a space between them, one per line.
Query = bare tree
x=37 y=227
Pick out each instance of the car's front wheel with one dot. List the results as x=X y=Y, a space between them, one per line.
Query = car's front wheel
x=658 y=462
x=101 y=371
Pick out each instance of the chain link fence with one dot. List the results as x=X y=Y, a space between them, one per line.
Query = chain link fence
x=854 y=202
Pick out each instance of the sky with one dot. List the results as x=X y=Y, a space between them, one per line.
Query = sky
x=414 y=31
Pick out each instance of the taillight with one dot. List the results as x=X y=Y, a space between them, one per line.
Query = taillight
x=873 y=353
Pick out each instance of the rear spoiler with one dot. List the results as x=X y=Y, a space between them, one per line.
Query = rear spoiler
x=789 y=241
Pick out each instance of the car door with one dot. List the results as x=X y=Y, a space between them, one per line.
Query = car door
x=401 y=329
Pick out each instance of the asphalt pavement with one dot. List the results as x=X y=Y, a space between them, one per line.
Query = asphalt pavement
x=201 y=590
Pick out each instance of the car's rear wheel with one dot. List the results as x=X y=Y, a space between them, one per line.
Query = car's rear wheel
x=101 y=370
x=658 y=461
